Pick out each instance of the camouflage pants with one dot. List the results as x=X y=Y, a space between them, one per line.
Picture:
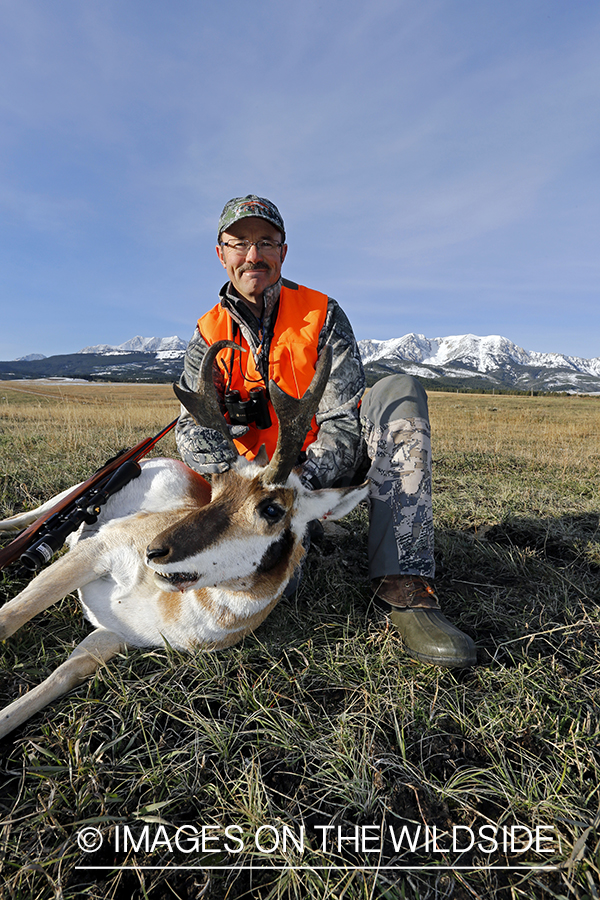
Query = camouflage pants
x=395 y=423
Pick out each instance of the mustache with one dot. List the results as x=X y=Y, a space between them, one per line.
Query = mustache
x=252 y=267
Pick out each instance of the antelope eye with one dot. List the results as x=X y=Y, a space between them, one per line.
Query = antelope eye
x=271 y=511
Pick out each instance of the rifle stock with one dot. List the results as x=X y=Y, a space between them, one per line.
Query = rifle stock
x=20 y=544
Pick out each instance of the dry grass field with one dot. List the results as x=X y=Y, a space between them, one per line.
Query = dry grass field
x=317 y=741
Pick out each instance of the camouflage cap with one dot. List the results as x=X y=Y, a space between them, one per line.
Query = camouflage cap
x=251 y=205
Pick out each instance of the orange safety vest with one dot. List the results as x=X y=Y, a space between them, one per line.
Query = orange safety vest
x=292 y=357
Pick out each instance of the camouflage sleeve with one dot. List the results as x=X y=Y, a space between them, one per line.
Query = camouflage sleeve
x=337 y=449
x=202 y=449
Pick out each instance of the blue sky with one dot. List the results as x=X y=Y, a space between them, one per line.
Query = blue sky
x=436 y=163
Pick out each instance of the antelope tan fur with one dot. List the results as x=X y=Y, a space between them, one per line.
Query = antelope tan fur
x=175 y=559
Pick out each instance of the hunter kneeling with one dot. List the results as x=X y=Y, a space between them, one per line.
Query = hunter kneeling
x=280 y=329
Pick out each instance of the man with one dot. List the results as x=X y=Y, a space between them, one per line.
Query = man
x=283 y=327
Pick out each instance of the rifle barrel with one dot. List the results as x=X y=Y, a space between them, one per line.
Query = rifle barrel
x=24 y=540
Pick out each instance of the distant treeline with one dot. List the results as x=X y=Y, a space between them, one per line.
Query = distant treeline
x=473 y=386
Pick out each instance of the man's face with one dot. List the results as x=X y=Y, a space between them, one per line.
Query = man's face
x=250 y=273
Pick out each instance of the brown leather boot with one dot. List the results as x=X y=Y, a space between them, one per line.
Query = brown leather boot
x=411 y=604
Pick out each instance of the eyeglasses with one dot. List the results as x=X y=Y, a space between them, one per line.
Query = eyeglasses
x=243 y=247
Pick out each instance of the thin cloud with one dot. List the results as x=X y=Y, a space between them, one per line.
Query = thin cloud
x=435 y=147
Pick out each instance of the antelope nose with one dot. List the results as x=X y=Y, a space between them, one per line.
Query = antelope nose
x=156 y=552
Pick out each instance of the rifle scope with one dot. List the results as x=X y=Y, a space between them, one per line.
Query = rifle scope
x=86 y=509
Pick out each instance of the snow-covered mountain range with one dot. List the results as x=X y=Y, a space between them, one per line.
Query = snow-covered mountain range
x=493 y=358
x=481 y=353
x=169 y=345
x=463 y=360
x=139 y=359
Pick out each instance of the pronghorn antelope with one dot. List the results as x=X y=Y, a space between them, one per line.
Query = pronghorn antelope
x=174 y=559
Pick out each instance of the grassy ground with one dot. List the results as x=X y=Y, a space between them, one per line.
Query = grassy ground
x=318 y=731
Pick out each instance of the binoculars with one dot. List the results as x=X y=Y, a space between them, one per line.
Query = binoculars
x=254 y=410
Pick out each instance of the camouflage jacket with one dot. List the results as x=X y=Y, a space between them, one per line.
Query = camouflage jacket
x=337 y=450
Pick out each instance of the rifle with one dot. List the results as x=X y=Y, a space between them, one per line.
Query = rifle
x=38 y=543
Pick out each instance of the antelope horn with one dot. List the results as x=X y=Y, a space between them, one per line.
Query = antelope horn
x=203 y=404
x=294 y=416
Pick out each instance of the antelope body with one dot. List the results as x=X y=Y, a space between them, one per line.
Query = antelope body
x=175 y=559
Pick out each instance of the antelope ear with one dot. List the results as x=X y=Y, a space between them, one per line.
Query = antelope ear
x=261 y=457
x=331 y=503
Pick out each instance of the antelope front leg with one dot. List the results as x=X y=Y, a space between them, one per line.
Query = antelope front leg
x=67 y=574
x=97 y=648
